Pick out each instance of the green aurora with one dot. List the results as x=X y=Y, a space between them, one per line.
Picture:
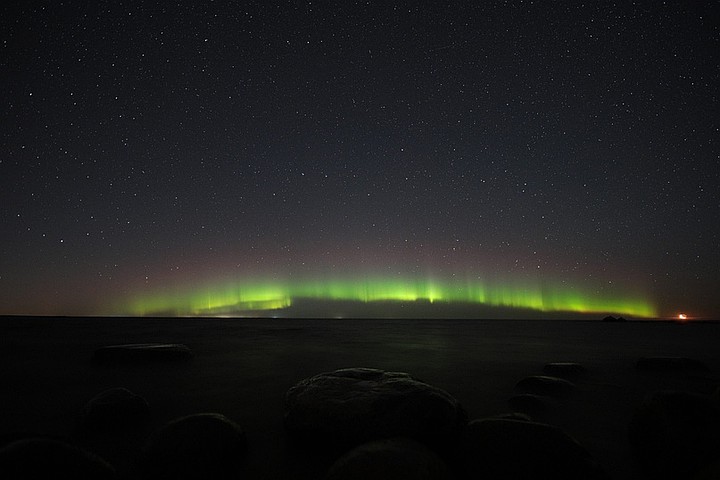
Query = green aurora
x=237 y=297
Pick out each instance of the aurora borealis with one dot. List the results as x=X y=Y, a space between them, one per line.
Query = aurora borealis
x=221 y=158
x=237 y=298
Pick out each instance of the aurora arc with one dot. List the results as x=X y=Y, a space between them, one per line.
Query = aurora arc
x=236 y=297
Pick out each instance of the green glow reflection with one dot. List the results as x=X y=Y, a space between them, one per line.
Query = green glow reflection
x=244 y=296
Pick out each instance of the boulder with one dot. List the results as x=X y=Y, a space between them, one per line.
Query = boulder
x=389 y=459
x=205 y=445
x=357 y=405
x=532 y=404
x=113 y=408
x=544 y=385
x=142 y=352
x=669 y=363
x=675 y=434
x=511 y=449
x=564 y=369
x=45 y=458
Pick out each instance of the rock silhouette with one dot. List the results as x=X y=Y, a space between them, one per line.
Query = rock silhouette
x=356 y=405
x=43 y=458
x=389 y=460
x=205 y=445
x=511 y=449
x=532 y=404
x=114 y=408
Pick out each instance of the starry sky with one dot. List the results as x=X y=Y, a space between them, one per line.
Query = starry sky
x=517 y=146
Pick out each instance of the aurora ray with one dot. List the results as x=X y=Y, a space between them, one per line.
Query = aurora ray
x=236 y=297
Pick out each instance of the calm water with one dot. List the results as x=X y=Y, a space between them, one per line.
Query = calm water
x=438 y=342
x=242 y=368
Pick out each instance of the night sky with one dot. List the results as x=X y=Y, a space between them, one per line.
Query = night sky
x=158 y=152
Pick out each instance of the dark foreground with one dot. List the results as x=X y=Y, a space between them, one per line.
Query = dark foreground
x=243 y=369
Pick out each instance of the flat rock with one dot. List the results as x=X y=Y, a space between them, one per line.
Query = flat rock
x=142 y=352
x=564 y=369
x=532 y=404
x=544 y=385
x=669 y=363
x=205 y=445
x=43 y=458
x=357 y=405
x=510 y=449
x=389 y=459
x=675 y=434
x=113 y=408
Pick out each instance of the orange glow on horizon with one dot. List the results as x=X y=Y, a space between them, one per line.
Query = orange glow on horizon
x=682 y=317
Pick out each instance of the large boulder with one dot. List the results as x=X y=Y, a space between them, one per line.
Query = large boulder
x=45 y=458
x=389 y=459
x=115 y=408
x=142 y=352
x=511 y=449
x=675 y=434
x=205 y=445
x=357 y=405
